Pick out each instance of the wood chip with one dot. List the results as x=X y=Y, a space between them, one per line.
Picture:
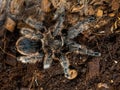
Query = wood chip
x=10 y=24
x=100 y=85
x=45 y=5
x=111 y=14
x=99 y=13
x=93 y=69
x=73 y=74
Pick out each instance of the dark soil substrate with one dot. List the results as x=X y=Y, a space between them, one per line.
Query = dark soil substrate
x=105 y=69
x=94 y=73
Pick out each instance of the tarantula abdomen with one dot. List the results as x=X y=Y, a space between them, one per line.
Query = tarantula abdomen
x=27 y=46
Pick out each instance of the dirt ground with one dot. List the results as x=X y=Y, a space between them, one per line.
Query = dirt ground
x=94 y=73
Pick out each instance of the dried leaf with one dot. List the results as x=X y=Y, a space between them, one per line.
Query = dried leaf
x=115 y=4
x=10 y=24
x=76 y=8
x=112 y=14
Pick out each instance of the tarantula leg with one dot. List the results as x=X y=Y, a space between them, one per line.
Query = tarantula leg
x=72 y=33
x=65 y=64
x=90 y=52
x=58 y=12
x=31 y=58
x=47 y=60
x=74 y=47
x=33 y=23
x=29 y=33
x=59 y=25
x=26 y=31
x=79 y=27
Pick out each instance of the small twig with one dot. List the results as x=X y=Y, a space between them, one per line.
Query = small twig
x=4 y=40
x=7 y=53
x=109 y=53
x=34 y=79
x=31 y=82
x=97 y=45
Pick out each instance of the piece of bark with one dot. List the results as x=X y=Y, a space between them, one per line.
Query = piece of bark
x=111 y=14
x=11 y=60
x=10 y=24
x=93 y=67
x=45 y=5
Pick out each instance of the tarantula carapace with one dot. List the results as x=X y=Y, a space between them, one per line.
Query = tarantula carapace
x=49 y=45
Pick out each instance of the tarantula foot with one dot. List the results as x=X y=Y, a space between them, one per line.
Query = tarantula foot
x=70 y=74
x=29 y=33
x=84 y=50
x=47 y=61
x=92 y=53
x=89 y=52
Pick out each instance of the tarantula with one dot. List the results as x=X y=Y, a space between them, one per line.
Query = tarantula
x=36 y=45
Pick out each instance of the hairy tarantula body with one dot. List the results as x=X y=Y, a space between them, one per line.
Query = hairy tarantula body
x=47 y=46
x=35 y=45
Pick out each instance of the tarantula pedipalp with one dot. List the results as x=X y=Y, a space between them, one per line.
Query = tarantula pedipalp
x=49 y=45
